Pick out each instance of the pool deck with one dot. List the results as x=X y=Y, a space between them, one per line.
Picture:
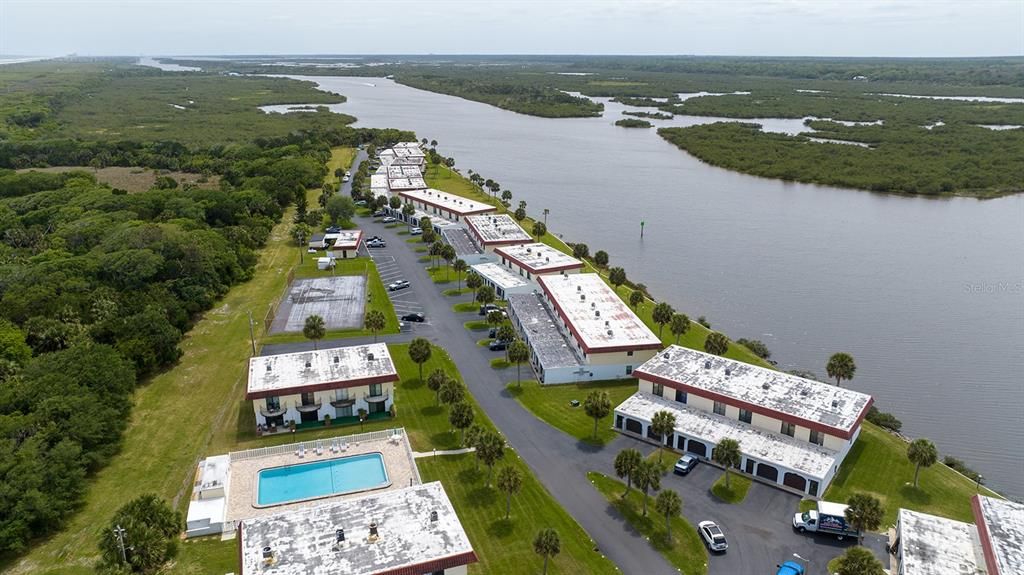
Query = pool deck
x=243 y=475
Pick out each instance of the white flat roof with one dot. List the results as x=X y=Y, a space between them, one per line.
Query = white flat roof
x=931 y=545
x=596 y=316
x=411 y=184
x=497 y=229
x=345 y=239
x=291 y=373
x=499 y=275
x=1001 y=524
x=408 y=161
x=304 y=542
x=539 y=258
x=378 y=182
x=397 y=171
x=409 y=153
x=448 y=202
x=807 y=400
x=802 y=456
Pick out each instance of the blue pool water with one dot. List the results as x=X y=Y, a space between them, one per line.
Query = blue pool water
x=321 y=478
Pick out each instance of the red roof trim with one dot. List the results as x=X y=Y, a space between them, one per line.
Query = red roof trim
x=538 y=271
x=576 y=334
x=434 y=565
x=986 y=537
x=481 y=239
x=350 y=245
x=729 y=400
x=341 y=384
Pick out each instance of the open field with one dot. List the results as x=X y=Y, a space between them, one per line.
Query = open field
x=877 y=464
x=685 y=552
x=341 y=157
x=506 y=547
x=550 y=403
x=136 y=179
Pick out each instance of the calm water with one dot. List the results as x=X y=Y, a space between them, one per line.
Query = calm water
x=928 y=295
x=321 y=478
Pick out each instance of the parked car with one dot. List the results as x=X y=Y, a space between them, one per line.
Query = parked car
x=685 y=464
x=377 y=243
x=348 y=174
x=498 y=345
x=416 y=317
x=346 y=178
x=493 y=333
x=389 y=220
x=415 y=231
x=361 y=203
x=333 y=230
x=379 y=214
x=311 y=251
x=400 y=284
x=486 y=309
x=790 y=568
x=713 y=537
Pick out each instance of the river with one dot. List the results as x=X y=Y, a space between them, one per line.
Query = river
x=928 y=295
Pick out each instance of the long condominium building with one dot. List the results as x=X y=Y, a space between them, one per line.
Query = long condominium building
x=792 y=431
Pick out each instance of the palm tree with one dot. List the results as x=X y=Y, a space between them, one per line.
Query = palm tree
x=436 y=249
x=435 y=382
x=601 y=258
x=510 y=481
x=680 y=325
x=506 y=333
x=490 y=448
x=647 y=475
x=636 y=297
x=716 y=343
x=452 y=392
x=669 y=504
x=841 y=366
x=617 y=276
x=864 y=512
x=661 y=314
x=506 y=197
x=922 y=453
x=859 y=561
x=625 y=462
x=597 y=405
x=546 y=212
x=460 y=416
x=419 y=353
x=374 y=321
x=474 y=281
x=539 y=229
x=460 y=267
x=580 y=251
x=408 y=210
x=664 y=424
x=547 y=545
x=314 y=329
x=518 y=352
x=727 y=454
x=448 y=254
x=485 y=295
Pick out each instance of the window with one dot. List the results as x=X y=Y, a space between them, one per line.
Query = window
x=629 y=369
x=308 y=398
x=680 y=396
x=375 y=390
x=341 y=394
x=817 y=438
x=745 y=416
x=658 y=389
x=719 y=408
x=788 y=429
x=629 y=353
x=273 y=403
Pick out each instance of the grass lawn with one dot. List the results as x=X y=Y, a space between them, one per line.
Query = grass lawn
x=441 y=274
x=877 y=464
x=500 y=363
x=341 y=157
x=377 y=296
x=737 y=490
x=550 y=403
x=205 y=555
x=506 y=547
x=685 y=551
x=440 y=177
x=477 y=325
x=454 y=292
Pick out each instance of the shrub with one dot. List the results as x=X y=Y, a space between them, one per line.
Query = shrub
x=883 y=419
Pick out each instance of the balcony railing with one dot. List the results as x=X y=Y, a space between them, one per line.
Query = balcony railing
x=347 y=402
x=308 y=407
x=375 y=398
x=268 y=412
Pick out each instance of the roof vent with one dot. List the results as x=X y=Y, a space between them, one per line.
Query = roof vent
x=369 y=357
x=433 y=516
x=728 y=372
x=707 y=364
x=609 y=332
x=766 y=385
x=805 y=392
x=268 y=553
x=606 y=325
x=583 y=297
x=308 y=364
x=597 y=313
x=270 y=368
x=835 y=403
x=593 y=304
x=529 y=250
x=374 y=535
x=578 y=288
x=339 y=535
x=337 y=359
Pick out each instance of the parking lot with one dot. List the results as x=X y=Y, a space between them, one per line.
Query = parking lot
x=405 y=300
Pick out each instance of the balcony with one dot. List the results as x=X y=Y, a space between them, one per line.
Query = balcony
x=268 y=412
x=308 y=407
x=347 y=402
x=375 y=398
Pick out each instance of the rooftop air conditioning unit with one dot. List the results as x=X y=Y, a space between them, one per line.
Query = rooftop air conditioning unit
x=369 y=357
x=835 y=403
x=707 y=364
x=309 y=364
x=433 y=516
x=609 y=332
x=728 y=372
x=269 y=368
x=337 y=359
x=766 y=385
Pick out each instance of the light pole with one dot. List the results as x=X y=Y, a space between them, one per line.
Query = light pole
x=252 y=337
x=546 y=212
x=119 y=533
x=977 y=485
x=806 y=562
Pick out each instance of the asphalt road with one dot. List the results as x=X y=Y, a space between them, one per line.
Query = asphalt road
x=759 y=530
x=345 y=188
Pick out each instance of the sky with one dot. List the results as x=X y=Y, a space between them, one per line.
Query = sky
x=724 y=27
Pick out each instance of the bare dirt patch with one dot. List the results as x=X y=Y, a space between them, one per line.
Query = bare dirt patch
x=135 y=179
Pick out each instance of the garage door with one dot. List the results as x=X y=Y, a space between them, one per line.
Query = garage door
x=697 y=448
x=768 y=472
x=634 y=426
x=795 y=481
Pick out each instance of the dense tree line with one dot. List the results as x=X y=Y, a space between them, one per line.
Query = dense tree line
x=633 y=123
x=955 y=159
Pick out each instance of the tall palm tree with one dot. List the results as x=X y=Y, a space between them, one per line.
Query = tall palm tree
x=864 y=512
x=663 y=423
x=419 y=353
x=597 y=405
x=679 y=325
x=547 y=545
x=661 y=314
x=374 y=321
x=625 y=462
x=314 y=329
x=509 y=481
x=841 y=366
x=716 y=343
x=668 y=504
x=646 y=476
x=460 y=267
x=922 y=453
x=518 y=352
x=727 y=454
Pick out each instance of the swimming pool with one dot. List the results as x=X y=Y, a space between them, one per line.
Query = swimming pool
x=321 y=478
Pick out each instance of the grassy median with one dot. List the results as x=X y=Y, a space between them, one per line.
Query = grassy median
x=551 y=404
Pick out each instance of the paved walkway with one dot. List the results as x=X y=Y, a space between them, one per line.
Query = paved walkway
x=422 y=454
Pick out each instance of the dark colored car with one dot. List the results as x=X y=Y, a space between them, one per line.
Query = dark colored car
x=493 y=333
x=498 y=345
x=685 y=464
x=416 y=317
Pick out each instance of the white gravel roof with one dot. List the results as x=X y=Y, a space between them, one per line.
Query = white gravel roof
x=499 y=275
x=538 y=258
x=446 y=201
x=1002 y=524
x=931 y=545
x=497 y=229
x=291 y=372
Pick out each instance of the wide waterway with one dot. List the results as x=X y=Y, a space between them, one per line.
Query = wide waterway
x=928 y=295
